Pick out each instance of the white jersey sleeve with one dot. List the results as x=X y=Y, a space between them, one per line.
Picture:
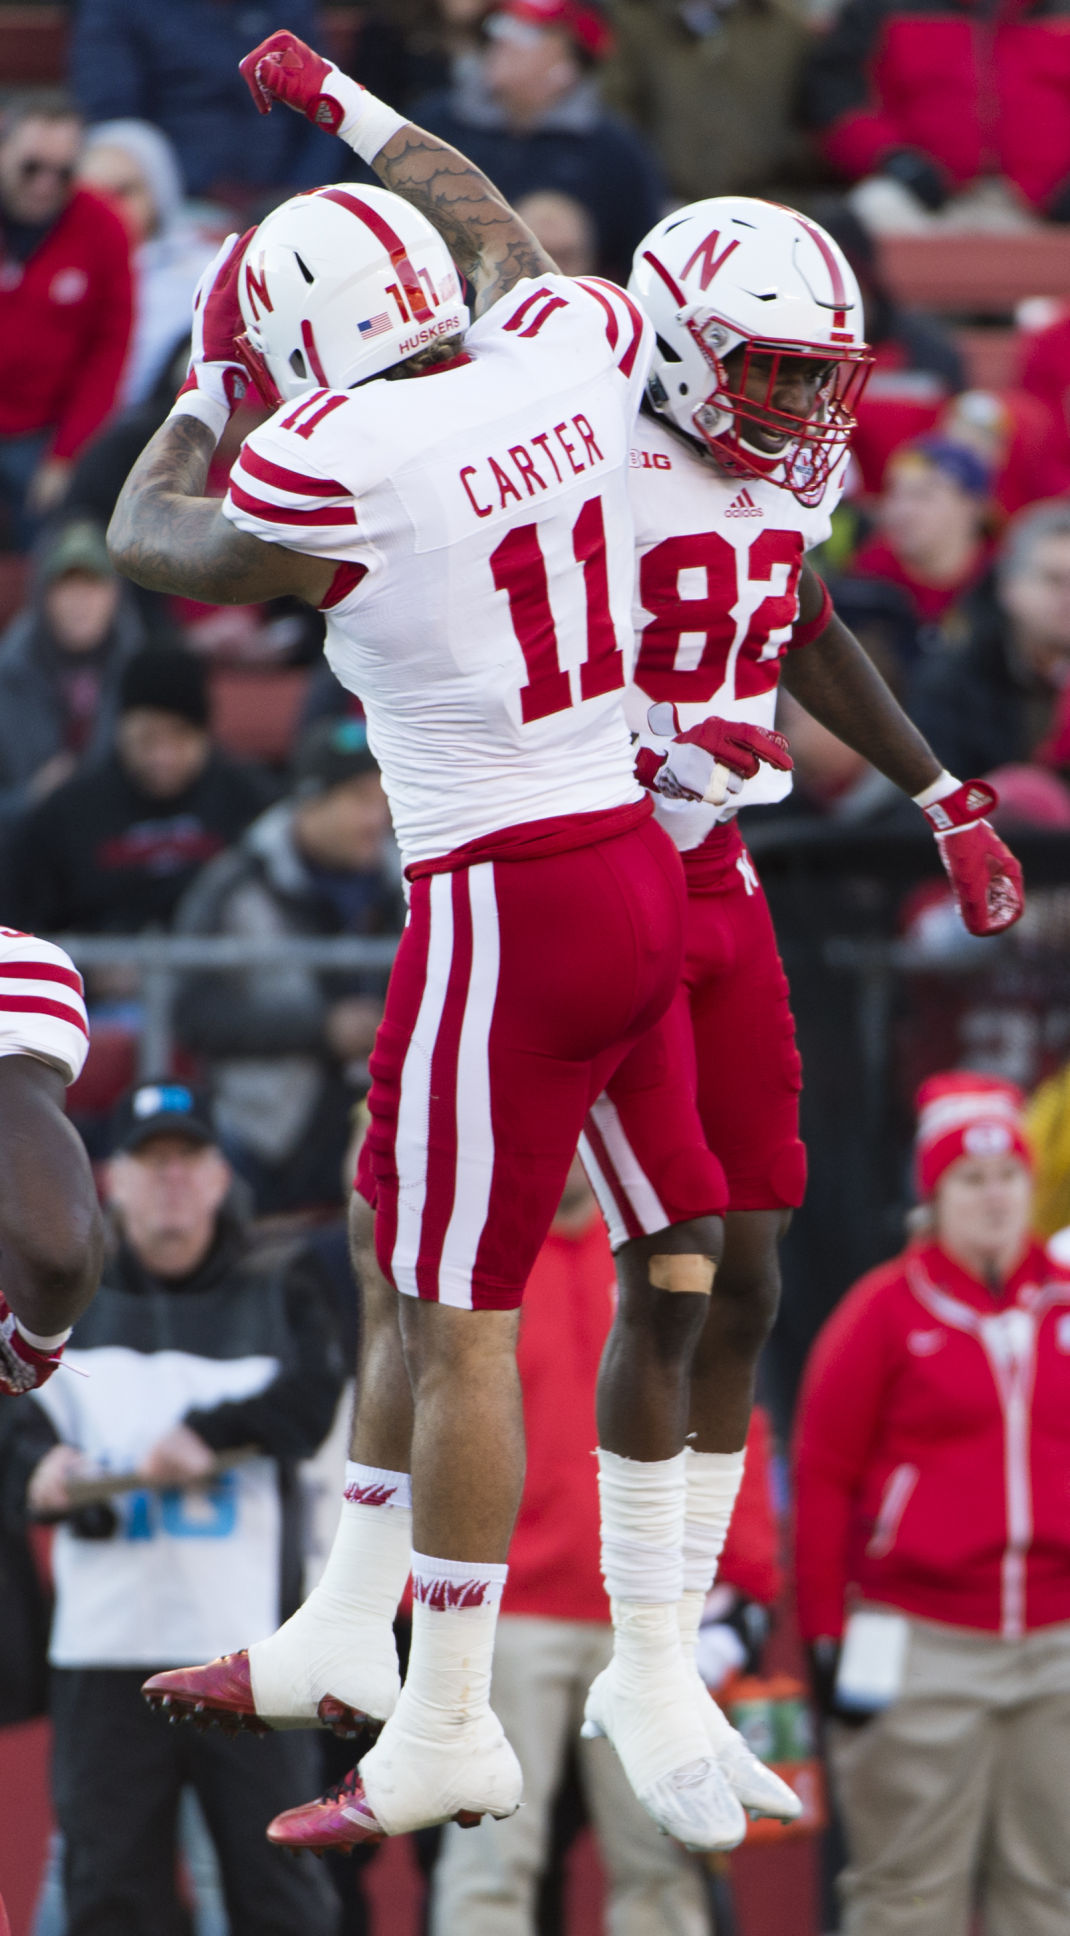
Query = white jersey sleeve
x=42 y=1004
x=278 y=493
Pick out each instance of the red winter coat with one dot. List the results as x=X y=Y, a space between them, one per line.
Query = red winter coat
x=933 y=1449
x=554 y=1557
x=65 y=319
x=982 y=89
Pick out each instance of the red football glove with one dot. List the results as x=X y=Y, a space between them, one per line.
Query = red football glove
x=986 y=880
x=284 y=69
x=214 y=367
x=711 y=760
x=22 y=1367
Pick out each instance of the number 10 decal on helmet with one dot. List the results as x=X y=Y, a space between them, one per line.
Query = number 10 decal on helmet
x=760 y=352
x=338 y=286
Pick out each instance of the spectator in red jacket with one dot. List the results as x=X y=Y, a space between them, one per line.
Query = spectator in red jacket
x=933 y=1551
x=65 y=308
x=937 y=97
x=554 y=1634
x=931 y=538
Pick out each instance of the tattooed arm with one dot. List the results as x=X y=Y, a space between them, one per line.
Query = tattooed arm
x=839 y=686
x=165 y=534
x=488 y=242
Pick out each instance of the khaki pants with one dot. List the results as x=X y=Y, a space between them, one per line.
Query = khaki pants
x=958 y=1795
x=486 y=1880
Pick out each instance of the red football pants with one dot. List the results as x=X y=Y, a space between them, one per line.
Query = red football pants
x=733 y=1028
x=520 y=987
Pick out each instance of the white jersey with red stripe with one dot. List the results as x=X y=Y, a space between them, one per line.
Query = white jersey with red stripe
x=716 y=597
x=481 y=516
x=42 y=1004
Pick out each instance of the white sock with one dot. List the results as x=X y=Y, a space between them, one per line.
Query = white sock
x=642 y=1513
x=712 y=1484
x=454 y=1617
x=368 y=1563
x=341 y=1641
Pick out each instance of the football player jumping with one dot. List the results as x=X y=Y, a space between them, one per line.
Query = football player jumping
x=51 y=1231
x=756 y=440
x=454 y=497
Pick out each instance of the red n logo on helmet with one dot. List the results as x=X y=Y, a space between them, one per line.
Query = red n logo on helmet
x=710 y=262
x=256 y=290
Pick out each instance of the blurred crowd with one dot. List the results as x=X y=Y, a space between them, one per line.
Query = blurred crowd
x=950 y=556
x=175 y=769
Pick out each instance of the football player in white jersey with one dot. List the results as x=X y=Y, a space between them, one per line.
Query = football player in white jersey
x=51 y=1232
x=467 y=532
x=737 y=463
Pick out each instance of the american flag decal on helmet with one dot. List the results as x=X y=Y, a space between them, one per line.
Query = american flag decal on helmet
x=375 y=325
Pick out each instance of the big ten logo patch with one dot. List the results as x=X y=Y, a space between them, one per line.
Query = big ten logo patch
x=202 y=1512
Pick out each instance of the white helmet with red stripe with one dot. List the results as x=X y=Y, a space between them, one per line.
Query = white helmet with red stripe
x=733 y=271
x=340 y=284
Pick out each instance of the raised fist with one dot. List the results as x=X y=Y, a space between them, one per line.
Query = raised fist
x=284 y=69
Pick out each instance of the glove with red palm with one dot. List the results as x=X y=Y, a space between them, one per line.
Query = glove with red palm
x=986 y=880
x=711 y=760
x=23 y=1366
x=216 y=379
x=283 y=68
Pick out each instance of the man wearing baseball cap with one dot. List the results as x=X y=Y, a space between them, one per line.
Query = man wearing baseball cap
x=933 y=1544
x=528 y=113
x=213 y=1367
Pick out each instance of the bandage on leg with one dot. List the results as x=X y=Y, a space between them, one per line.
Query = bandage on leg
x=684 y=1271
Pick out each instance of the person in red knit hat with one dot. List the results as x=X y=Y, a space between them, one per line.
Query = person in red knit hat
x=933 y=1546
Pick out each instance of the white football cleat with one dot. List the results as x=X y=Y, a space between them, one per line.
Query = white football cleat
x=326 y=1660
x=413 y=1777
x=664 y=1748
x=755 y=1786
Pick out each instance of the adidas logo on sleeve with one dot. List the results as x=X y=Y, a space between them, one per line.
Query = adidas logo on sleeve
x=744 y=506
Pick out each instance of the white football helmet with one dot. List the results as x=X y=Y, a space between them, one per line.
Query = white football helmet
x=340 y=284
x=733 y=270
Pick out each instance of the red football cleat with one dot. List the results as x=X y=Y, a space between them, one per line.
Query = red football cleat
x=341 y=1820
x=221 y=1695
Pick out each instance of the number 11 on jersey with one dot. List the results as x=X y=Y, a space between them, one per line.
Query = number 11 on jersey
x=519 y=570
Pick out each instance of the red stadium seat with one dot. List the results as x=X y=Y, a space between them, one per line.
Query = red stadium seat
x=13 y=576
x=976 y=275
x=110 y=1068
x=255 y=710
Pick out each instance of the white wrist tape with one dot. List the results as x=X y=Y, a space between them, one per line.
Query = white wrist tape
x=369 y=125
x=41 y=1341
x=937 y=790
x=208 y=410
